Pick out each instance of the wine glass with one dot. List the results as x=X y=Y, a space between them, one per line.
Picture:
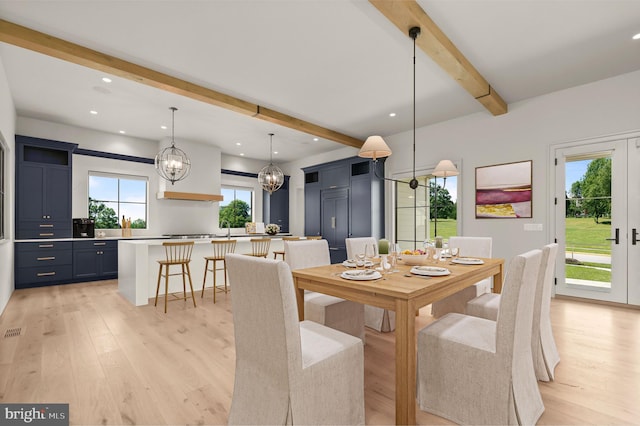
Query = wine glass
x=394 y=254
x=370 y=252
x=360 y=260
x=455 y=252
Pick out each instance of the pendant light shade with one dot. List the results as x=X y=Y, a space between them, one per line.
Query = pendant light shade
x=271 y=177
x=172 y=163
x=445 y=169
x=374 y=147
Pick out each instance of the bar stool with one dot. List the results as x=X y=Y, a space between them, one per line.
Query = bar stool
x=178 y=253
x=259 y=247
x=314 y=237
x=220 y=249
x=281 y=252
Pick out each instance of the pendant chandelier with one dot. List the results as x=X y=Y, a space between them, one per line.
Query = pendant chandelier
x=375 y=147
x=172 y=163
x=271 y=177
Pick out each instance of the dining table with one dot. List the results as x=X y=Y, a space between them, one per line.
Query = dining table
x=405 y=293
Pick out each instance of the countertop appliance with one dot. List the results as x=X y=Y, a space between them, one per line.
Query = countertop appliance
x=83 y=228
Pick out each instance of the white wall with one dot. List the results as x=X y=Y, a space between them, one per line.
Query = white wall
x=526 y=132
x=7 y=131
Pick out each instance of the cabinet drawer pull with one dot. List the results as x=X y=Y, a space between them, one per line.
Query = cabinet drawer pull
x=99 y=244
x=45 y=246
x=47 y=234
x=47 y=258
x=46 y=225
x=46 y=274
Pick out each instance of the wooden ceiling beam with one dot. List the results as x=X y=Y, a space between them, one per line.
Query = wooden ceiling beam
x=405 y=14
x=36 y=41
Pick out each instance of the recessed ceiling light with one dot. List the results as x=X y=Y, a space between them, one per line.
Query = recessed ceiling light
x=392 y=114
x=106 y=79
x=242 y=154
x=275 y=152
x=93 y=112
x=122 y=132
x=316 y=139
x=636 y=37
x=238 y=144
x=163 y=127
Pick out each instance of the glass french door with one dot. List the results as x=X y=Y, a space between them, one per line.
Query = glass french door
x=597 y=217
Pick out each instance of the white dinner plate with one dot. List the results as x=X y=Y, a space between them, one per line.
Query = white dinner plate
x=350 y=263
x=432 y=271
x=361 y=275
x=468 y=261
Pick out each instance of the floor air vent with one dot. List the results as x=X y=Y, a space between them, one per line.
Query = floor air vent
x=12 y=332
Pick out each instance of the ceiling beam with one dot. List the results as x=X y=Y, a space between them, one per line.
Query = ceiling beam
x=408 y=13
x=36 y=41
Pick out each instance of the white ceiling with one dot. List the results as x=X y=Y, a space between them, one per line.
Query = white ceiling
x=337 y=64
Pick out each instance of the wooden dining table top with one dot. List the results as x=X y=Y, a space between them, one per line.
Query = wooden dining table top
x=402 y=292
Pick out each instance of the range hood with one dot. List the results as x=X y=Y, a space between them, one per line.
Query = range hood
x=189 y=196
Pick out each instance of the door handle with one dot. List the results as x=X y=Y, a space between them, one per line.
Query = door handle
x=634 y=236
x=616 y=238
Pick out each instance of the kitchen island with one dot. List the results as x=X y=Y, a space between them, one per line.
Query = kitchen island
x=138 y=266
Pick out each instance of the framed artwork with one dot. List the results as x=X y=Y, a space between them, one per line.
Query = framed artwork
x=503 y=191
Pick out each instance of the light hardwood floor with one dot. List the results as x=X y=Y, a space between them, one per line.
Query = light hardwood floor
x=114 y=363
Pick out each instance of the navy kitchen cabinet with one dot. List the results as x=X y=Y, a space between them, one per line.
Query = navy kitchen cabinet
x=335 y=222
x=344 y=188
x=276 y=206
x=43 y=188
x=95 y=259
x=43 y=263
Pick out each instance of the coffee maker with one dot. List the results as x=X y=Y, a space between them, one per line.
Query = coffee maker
x=83 y=228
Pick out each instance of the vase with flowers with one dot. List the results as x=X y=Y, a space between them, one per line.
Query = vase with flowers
x=272 y=229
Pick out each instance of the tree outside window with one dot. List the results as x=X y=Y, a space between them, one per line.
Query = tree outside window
x=236 y=209
x=112 y=197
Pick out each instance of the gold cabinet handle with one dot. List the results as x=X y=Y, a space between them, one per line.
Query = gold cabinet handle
x=46 y=274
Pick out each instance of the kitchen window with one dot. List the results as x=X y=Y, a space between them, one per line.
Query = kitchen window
x=237 y=207
x=113 y=197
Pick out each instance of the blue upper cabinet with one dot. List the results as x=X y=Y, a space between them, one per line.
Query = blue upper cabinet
x=43 y=188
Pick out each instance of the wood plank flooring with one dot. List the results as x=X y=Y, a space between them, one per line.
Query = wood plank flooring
x=85 y=345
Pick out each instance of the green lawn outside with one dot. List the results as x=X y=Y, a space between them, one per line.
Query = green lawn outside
x=584 y=235
x=446 y=228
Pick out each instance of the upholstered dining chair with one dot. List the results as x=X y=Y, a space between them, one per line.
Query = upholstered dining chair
x=277 y=253
x=476 y=371
x=468 y=247
x=220 y=249
x=259 y=247
x=334 y=312
x=287 y=371
x=176 y=254
x=543 y=346
x=375 y=318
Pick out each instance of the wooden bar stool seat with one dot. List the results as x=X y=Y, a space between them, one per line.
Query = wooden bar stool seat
x=220 y=249
x=259 y=247
x=178 y=253
x=314 y=237
x=281 y=252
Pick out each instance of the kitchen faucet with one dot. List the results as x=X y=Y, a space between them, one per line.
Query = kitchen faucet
x=228 y=228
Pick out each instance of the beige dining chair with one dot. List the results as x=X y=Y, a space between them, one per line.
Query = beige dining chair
x=259 y=247
x=375 y=318
x=476 y=371
x=468 y=247
x=220 y=250
x=334 y=312
x=176 y=254
x=288 y=371
x=277 y=253
x=543 y=346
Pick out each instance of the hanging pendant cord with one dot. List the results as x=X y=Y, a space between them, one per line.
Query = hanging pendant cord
x=173 y=125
